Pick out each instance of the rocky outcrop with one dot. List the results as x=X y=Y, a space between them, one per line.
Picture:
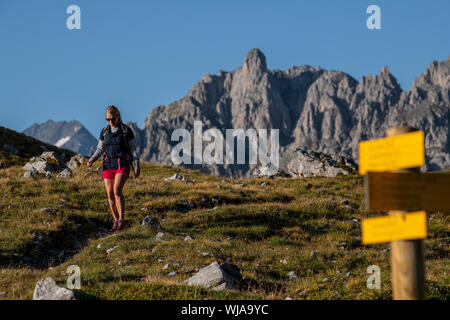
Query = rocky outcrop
x=47 y=289
x=49 y=163
x=326 y=111
x=303 y=163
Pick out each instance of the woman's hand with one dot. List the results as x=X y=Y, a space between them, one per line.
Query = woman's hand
x=89 y=164
x=137 y=172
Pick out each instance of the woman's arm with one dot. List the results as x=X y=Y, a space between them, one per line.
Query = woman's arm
x=98 y=152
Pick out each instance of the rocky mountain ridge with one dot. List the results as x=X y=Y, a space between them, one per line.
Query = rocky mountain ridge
x=321 y=110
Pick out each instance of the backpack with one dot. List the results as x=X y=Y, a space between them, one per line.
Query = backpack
x=124 y=132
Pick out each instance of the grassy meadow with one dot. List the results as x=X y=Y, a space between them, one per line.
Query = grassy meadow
x=267 y=227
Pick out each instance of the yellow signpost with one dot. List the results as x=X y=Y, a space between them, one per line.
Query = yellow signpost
x=393 y=153
x=407 y=226
x=404 y=150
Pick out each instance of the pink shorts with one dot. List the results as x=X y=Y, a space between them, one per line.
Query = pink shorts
x=110 y=174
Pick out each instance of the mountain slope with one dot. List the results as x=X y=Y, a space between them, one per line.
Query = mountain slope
x=17 y=148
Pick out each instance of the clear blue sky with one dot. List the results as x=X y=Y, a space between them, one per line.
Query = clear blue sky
x=138 y=54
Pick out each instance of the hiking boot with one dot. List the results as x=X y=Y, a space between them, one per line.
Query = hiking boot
x=114 y=227
x=119 y=224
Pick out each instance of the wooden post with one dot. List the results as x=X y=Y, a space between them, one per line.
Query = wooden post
x=407 y=258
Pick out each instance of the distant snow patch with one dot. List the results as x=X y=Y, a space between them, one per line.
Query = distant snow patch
x=77 y=128
x=62 y=142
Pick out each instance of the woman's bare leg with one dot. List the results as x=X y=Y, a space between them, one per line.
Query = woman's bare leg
x=119 y=182
x=109 y=184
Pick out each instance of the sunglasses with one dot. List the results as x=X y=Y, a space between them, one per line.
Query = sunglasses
x=110 y=119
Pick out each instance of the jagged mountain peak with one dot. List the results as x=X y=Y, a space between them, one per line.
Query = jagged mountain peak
x=254 y=62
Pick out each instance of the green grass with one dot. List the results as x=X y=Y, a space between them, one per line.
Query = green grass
x=288 y=219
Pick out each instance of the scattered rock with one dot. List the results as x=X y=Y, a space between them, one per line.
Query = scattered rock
x=172 y=274
x=122 y=262
x=112 y=249
x=159 y=236
x=166 y=266
x=288 y=298
x=66 y=173
x=302 y=293
x=344 y=202
x=188 y=238
x=176 y=176
x=49 y=210
x=151 y=222
x=205 y=254
x=284 y=261
x=99 y=246
x=76 y=161
x=292 y=275
x=224 y=276
x=350 y=209
x=48 y=290
x=325 y=280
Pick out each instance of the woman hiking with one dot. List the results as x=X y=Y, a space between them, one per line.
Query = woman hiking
x=117 y=147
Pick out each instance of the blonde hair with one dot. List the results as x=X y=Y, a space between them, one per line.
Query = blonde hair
x=116 y=113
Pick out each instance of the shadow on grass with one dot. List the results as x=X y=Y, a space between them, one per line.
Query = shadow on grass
x=55 y=247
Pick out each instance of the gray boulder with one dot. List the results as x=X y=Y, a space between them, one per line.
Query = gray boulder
x=76 y=161
x=218 y=277
x=151 y=222
x=159 y=236
x=47 y=289
x=66 y=173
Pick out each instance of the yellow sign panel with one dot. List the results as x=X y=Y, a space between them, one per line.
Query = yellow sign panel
x=406 y=226
x=393 y=153
x=407 y=191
